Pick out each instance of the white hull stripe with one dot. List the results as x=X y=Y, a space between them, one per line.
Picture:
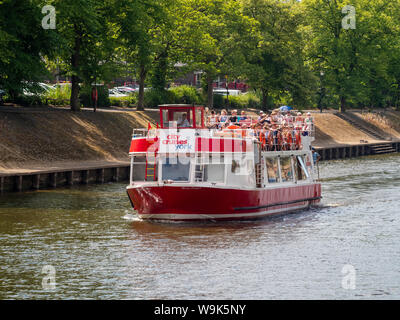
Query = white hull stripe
x=167 y=216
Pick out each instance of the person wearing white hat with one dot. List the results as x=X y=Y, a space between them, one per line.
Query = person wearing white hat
x=308 y=125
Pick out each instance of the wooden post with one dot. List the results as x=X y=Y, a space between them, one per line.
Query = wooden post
x=1 y=185
x=70 y=178
x=53 y=180
x=85 y=177
x=116 y=174
x=323 y=154
x=19 y=183
x=36 y=182
x=100 y=176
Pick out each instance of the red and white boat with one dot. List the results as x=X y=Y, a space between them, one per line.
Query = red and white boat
x=184 y=171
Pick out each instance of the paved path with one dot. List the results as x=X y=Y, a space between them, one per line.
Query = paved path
x=62 y=166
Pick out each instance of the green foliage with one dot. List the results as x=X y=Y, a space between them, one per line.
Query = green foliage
x=23 y=43
x=243 y=101
x=125 y=102
x=59 y=96
x=186 y=95
x=154 y=98
x=291 y=52
x=27 y=101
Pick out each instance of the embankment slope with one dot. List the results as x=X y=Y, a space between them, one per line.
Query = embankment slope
x=46 y=138
x=38 y=139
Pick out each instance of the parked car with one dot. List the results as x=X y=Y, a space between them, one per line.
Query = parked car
x=114 y=93
x=126 y=90
x=37 y=89
x=223 y=92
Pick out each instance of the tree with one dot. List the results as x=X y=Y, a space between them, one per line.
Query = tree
x=142 y=26
x=274 y=58
x=23 y=44
x=352 y=55
x=86 y=47
x=209 y=33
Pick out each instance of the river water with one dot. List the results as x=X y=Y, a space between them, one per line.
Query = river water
x=348 y=248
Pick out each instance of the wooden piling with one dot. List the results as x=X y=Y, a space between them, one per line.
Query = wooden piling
x=70 y=178
x=85 y=176
x=19 y=180
x=36 y=182
x=116 y=175
x=100 y=176
x=53 y=180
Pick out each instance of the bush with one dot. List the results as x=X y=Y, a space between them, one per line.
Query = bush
x=28 y=101
x=154 y=97
x=186 y=95
x=219 y=101
x=242 y=101
x=124 y=102
x=59 y=96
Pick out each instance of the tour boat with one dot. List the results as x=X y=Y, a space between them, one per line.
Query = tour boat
x=182 y=170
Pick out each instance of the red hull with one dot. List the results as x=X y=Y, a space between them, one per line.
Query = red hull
x=199 y=203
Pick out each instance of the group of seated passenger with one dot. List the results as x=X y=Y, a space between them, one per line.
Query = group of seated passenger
x=275 y=130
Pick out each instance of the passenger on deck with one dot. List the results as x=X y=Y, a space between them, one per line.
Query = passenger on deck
x=308 y=125
x=316 y=156
x=212 y=120
x=234 y=118
x=224 y=116
x=183 y=121
x=242 y=116
x=262 y=115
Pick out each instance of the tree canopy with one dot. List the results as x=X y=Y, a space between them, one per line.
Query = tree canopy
x=309 y=53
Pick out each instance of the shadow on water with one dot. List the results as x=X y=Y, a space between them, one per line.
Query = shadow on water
x=193 y=231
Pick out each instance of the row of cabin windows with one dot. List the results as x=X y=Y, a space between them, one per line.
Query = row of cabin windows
x=288 y=173
x=291 y=169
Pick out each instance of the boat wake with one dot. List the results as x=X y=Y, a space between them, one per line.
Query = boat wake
x=131 y=217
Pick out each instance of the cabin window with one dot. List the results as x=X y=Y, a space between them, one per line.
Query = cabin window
x=286 y=169
x=298 y=170
x=272 y=169
x=235 y=168
x=183 y=119
x=180 y=119
x=198 y=117
x=214 y=172
x=173 y=169
x=302 y=164
x=165 y=119
x=138 y=168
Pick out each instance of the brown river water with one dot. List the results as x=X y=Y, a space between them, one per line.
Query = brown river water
x=95 y=248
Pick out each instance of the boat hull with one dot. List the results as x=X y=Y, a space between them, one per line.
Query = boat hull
x=214 y=203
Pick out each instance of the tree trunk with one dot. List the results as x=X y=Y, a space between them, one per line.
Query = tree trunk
x=210 y=91
x=142 y=79
x=264 y=99
x=75 y=59
x=342 y=104
x=75 y=103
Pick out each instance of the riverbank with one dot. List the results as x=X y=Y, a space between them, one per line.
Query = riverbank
x=36 y=140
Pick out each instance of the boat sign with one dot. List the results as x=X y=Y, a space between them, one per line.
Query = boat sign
x=172 y=141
